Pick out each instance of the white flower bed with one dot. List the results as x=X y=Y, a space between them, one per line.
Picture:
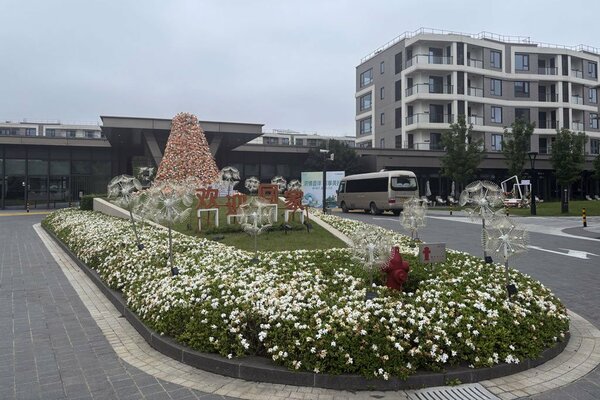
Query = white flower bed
x=307 y=309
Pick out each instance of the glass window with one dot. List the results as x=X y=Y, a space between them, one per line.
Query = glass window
x=495 y=87
x=595 y=146
x=521 y=89
x=496 y=142
x=82 y=167
x=592 y=69
x=382 y=143
x=522 y=62
x=15 y=167
x=51 y=132
x=366 y=78
x=365 y=126
x=267 y=171
x=382 y=119
x=381 y=67
x=404 y=183
x=594 y=120
x=398 y=118
x=497 y=115
x=30 y=132
x=495 y=59
x=398 y=62
x=37 y=167
x=382 y=93
x=251 y=169
x=398 y=90
x=593 y=95
x=100 y=168
x=70 y=133
x=522 y=113
x=365 y=102
x=60 y=168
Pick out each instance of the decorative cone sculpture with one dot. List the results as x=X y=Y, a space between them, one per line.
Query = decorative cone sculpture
x=187 y=155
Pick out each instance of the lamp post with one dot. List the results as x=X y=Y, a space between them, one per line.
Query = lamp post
x=325 y=153
x=532 y=155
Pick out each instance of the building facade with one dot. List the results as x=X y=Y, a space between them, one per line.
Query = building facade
x=286 y=137
x=411 y=89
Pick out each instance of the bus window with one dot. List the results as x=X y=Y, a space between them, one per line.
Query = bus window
x=404 y=183
x=342 y=187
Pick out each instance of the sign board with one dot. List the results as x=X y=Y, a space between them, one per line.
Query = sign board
x=312 y=186
x=432 y=252
x=525 y=182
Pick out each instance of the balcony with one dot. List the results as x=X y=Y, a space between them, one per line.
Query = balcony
x=577 y=99
x=475 y=120
x=577 y=126
x=548 y=97
x=423 y=146
x=547 y=124
x=475 y=91
x=548 y=71
x=577 y=73
x=430 y=118
x=427 y=59
x=471 y=62
x=429 y=88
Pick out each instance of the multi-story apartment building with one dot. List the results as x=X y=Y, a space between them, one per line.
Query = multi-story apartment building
x=411 y=89
x=285 y=137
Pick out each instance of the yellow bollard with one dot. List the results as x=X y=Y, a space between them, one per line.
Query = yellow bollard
x=583 y=215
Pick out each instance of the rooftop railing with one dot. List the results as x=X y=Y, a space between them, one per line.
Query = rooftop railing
x=481 y=35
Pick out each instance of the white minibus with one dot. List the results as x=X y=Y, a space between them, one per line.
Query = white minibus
x=377 y=192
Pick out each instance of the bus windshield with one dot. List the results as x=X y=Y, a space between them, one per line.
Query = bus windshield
x=404 y=183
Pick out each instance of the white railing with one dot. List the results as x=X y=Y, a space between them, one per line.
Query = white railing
x=475 y=91
x=471 y=62
x=480 y=35
x=475 y=120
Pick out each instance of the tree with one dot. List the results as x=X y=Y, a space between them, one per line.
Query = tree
x=568 y=157
x=597 y=167
x=345 y=159
x=515 y=145
x=463 y=152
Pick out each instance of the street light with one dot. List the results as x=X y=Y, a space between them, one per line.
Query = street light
x=532 y=155
x=325 y=153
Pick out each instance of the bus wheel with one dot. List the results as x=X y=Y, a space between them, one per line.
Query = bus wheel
x=374 y=210
x=396 y=212
x=344 y=207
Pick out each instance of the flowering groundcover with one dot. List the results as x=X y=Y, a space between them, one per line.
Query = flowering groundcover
x=307 y=310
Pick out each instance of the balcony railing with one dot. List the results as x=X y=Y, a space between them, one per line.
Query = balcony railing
x=577 y=99
x=548 y=97
x=423 y=146
x=429 y=88
x=472 y=62
x=548 y=71
x=577 y=126
x=577 y=73
x=547 y=124
x=430 y=118
x=428 y=59
x=545 y=149
x=475 y=91
x=475 y=120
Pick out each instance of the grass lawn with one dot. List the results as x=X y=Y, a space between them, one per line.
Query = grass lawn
x=551 y=209
x=273 y=240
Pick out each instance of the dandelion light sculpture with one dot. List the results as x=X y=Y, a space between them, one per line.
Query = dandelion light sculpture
x=413 y=216
x=252 y=184
x=122 y=189
x=294 y=184
x=171 y=203
x=481 y=200
x=256 y=218
x=372 y=250
x=230 y=176
x=507 y=239
x=280 y=182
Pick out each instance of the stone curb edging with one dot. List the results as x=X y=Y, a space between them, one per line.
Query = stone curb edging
x=261 y=369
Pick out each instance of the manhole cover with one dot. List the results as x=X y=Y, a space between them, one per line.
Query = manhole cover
x=462 y=392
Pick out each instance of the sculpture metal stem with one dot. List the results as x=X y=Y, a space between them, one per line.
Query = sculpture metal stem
x=140 y=246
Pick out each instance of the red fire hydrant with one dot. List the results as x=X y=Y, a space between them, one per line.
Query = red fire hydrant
x=396 y=270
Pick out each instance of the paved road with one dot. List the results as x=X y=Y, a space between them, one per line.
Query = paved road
x=574 y=278
x=50 y=346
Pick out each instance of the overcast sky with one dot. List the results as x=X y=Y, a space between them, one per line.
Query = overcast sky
x=286 y=64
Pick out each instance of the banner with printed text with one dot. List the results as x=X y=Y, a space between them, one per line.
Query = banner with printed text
x=312 y=185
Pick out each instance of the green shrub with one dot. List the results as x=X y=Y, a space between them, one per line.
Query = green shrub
x=87 y=201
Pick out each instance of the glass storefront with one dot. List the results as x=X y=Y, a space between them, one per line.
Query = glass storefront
x=47 y=177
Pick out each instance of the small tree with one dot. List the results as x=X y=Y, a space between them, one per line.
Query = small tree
x=515 y=145
x=463 y=152
x=345 y=159
x=597 y=167
x=568 y=157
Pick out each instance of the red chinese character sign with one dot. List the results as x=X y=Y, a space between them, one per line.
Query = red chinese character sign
x=207 y=202
x=234 y=202
x=268 y=192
